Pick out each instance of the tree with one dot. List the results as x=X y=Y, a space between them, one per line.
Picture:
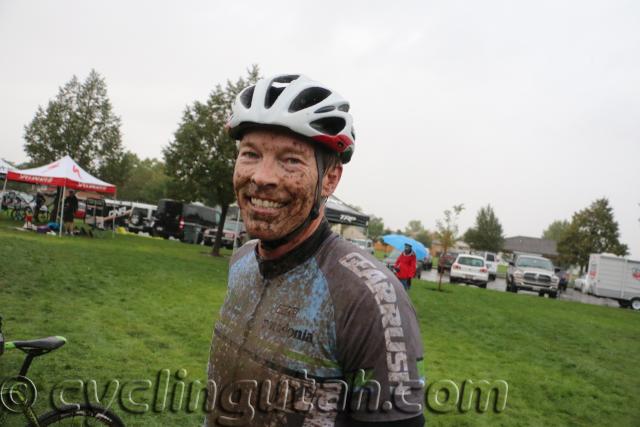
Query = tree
x=447 y=232
x=376 y=227
x=424 y=237
x=200 y=159
x=147 y=181
x=416 y=230
x=79 y=122
x=486 y=235
x=592 y=230
x=556 y=230
x=414 y=227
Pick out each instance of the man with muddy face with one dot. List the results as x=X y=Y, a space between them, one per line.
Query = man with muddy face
x=309 y=321
x=275 y=180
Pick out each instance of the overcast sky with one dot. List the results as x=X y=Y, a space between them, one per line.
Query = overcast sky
x=530 y=106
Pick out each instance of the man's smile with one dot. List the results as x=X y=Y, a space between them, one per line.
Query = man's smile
x=265 y=203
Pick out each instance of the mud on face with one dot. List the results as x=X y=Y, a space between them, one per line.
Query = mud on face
x=275 y=179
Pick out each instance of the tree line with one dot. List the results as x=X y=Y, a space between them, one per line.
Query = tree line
x=197 y=165
x=590 y=230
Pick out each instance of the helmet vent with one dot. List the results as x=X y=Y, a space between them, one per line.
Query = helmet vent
x=247 y=96
x=344 y=107
x=329 y=125
x=308 y=97
x=276 y=87
x=325 y=109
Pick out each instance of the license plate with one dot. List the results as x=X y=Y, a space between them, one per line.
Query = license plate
x=468 y=276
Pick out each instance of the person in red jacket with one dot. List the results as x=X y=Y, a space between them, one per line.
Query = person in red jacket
x=405 y=266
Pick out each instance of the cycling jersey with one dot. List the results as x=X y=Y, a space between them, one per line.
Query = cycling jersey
x=324 y=335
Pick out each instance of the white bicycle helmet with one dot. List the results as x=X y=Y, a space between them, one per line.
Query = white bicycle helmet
x=297 y=103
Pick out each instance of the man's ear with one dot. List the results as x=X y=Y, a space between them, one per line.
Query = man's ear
x=331 y=179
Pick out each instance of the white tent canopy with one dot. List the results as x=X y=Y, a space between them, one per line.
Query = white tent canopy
x=65 y=173
x=6 y=167
x=62 y=173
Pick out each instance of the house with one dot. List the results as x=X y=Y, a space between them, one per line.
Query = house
x=460 y=247
x=531 y=245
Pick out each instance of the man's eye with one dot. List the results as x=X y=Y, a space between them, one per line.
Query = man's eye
x=293 y=161
x=249 y=154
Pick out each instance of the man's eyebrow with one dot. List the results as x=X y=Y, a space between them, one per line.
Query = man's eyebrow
x=245 y=143
x=296 y=148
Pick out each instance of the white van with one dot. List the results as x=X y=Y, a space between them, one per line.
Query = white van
x=491 y=262
x=615 y=277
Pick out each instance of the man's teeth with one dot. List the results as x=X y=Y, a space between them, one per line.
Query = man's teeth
x=265 y=203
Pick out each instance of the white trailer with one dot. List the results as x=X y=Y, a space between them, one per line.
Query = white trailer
x=615 y=277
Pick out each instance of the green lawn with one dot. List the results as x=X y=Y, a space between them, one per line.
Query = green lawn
x=131 y=307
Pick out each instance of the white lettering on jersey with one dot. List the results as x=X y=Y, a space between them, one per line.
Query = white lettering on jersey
x=385 y=296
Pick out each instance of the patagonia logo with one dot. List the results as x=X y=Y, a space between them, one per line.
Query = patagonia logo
x=286 y=330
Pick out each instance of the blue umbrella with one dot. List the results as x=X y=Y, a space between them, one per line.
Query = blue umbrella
x=398 y=241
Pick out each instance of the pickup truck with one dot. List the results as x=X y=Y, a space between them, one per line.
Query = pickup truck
x=532 y=273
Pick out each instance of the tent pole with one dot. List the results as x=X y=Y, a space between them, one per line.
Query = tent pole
x=115 y=214
x=64 y=190
x=4 y=188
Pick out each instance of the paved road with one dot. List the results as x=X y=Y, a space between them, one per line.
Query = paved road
x=501 y=286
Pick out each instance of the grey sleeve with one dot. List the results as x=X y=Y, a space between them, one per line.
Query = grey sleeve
x=378 y=340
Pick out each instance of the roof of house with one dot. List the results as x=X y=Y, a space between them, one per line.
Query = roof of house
x=533 y=245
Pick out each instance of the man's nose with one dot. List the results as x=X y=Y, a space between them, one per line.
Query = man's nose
x=266 y=172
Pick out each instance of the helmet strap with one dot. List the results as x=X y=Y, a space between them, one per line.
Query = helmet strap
x=313 y=214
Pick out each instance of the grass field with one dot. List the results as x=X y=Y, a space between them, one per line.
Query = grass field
x=131 y=307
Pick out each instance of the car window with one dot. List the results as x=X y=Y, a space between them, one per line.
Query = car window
x=491 y=257
x=542 y=263
x=200 y=214
x=472 y=262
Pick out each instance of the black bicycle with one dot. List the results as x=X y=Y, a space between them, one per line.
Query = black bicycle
x=16 y=394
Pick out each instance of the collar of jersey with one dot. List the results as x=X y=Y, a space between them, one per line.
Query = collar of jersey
x=275 y=267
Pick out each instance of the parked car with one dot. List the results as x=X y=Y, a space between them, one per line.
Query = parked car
x=141 y=218
x=364 y=244
x=532 y=273
x=491 y=261
x=391 y=259
x=582 y=284
x=228 y=234
x=427 y=263
x=184 y=221
x=445 y=261
x=563 y=277
x=470 y=269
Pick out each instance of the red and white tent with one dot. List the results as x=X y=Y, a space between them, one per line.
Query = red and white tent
x=5 y=167
x=62 y=173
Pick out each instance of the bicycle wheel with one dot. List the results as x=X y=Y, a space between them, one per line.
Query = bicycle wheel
x=17 y=214
x=80 y=416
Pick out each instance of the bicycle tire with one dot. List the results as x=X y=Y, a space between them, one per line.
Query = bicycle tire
x=17 y=215
x=80 y=415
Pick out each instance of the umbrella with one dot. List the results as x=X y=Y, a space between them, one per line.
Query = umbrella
x=398 y=241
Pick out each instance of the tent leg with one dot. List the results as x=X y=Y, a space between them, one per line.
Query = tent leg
x=64 y=190
x=115 y=215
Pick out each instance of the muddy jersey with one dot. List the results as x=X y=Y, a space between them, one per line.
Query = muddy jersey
x=318 y=338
